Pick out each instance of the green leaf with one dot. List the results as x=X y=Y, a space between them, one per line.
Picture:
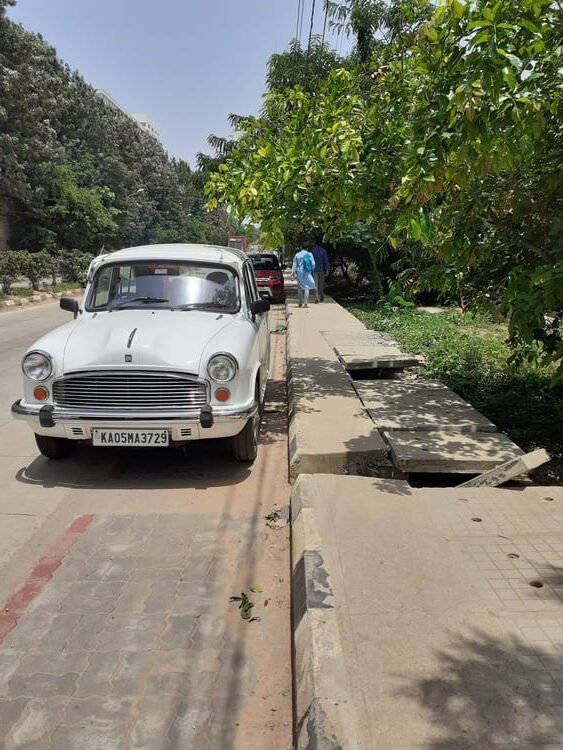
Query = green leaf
x=513 y=60
x=415 y=229
x=256 y=589
x=478 y=24
x=528 y=25
x=458 y=8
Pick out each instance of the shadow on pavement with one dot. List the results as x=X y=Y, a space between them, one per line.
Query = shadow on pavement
x=205 y=464
x=492 y=693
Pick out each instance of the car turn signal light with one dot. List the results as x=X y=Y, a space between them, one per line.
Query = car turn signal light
x=222 y=394
x=40 y=394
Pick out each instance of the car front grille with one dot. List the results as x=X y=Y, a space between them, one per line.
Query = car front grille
x=140 y=391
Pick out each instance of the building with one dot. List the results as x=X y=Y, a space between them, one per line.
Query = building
x=142 y=121
x=146 y=124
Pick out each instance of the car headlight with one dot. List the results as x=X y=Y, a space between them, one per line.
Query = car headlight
x=37 y=365
x=222 y=367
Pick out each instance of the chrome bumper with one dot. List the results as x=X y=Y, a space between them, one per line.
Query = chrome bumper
x=231 y=412
x=65 y=422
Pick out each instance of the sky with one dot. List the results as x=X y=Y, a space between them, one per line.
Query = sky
x=185 y=63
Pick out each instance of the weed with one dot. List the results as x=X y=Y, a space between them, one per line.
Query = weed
x=245 y=606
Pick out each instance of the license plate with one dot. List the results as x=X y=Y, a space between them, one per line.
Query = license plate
x=140 y=438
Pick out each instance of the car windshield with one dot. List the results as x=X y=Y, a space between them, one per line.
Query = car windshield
x=164 y=284
x=265 y=263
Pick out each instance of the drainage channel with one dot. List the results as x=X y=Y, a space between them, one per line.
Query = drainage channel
x=434 y=437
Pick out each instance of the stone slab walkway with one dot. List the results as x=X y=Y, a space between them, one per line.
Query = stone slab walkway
x=329 y=430
x=445 y=615
x=419 y=405
x=367 y=350
x=449 y=452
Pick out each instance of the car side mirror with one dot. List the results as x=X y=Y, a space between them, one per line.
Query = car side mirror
x=259 y=306
x=70 y=305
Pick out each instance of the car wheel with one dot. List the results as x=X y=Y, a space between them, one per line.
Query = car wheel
x=53 y=447
x=245 y=444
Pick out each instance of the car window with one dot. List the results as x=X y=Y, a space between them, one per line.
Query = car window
x=265 y=263
x=164 y=284
x=251 y=290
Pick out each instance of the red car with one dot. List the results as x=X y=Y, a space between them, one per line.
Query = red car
x=269 y=276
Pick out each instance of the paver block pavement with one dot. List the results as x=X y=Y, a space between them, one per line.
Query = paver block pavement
x=435 y=653
x=94 y=646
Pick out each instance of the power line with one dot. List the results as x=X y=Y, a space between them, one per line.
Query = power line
x=301 y=21
x=309 y=42
x=299 y=11
x=319 y=65
x=324 y=27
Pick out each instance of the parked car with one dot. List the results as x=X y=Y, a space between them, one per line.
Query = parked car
x=169 y=344
x=269 y=276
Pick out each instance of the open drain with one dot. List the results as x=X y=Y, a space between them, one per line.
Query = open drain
x=537 y=584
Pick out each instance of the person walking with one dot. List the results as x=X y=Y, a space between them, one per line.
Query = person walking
x=322 y=266
x=302 y=270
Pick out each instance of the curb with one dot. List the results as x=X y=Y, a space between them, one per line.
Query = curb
x=35 y=299
x=361 y=462
x=325 y=718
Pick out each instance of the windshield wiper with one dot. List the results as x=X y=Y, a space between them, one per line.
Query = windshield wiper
x=144 y=300
x=200 y=305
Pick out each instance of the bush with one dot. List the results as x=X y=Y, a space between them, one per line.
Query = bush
x=37 y=266
x=74 y=265
x=12 y=266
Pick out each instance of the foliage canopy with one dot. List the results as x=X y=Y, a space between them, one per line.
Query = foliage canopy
x=448 y=140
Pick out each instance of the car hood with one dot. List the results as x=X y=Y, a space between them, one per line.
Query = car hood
x=153 y=338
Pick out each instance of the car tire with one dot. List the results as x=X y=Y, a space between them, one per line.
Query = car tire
x=54 y=447
x=245 y=444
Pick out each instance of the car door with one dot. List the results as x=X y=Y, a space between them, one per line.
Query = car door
x=260 y=322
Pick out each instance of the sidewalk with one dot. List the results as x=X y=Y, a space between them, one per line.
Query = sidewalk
x=329 y=430
x=423 y=618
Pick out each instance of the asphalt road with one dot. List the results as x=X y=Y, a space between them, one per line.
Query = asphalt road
x=149 y=521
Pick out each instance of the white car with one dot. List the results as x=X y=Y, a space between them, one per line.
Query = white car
x=169 y=344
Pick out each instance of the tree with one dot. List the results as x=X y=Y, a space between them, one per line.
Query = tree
x=454 y=146
x=51 y=121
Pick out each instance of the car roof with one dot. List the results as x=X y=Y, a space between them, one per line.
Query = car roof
x=176 y=251
x=262 y=255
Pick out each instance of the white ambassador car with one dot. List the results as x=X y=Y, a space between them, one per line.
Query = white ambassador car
x=169 y=344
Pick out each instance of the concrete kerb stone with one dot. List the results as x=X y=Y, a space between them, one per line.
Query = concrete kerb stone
x=369 y=455
x=35 y=299
x=325 y=717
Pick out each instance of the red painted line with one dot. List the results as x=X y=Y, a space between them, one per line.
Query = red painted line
x=20 y=600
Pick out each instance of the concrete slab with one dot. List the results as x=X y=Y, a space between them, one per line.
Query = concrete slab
x=371 y=359
x=329 y=430
x=510 y=469
x=443 y=641
x=447 y=452
x=357 y=337
x=419 y=405
x=368 y=350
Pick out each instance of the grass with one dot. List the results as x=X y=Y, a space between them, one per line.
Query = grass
x=27 y=291
x=470 y=355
